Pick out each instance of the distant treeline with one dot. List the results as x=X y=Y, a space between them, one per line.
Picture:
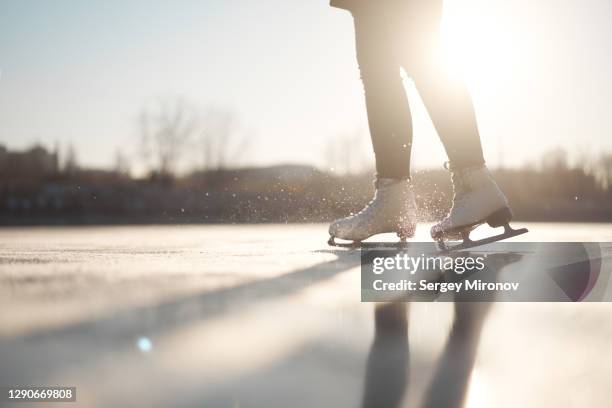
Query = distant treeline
x=280 y=194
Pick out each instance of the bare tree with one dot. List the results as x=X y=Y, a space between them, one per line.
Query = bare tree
x=603 y=170
x=166 y=131
x=222 y=139
x=71 y=164
x=555 y=160
x=122 y=165
x=345 y=153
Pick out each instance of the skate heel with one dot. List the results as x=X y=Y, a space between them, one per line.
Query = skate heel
x=500 y=217
x=405 y=232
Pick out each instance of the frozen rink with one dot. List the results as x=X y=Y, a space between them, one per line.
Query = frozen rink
x=270 y=316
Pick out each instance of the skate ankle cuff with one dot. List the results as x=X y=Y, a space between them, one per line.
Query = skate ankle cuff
x=454 y=168
x=381 y=182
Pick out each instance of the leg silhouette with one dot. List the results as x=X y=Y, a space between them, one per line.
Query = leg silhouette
x=387 y=367
x=386 y=101
x=450 y=383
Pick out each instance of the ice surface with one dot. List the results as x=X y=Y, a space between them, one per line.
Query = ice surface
x=269 y=316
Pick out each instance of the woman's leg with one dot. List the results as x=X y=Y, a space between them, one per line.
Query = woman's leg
x=446 y=98
x=393 y=208
x=477 y=197
x=386 y=102
x=451 y=110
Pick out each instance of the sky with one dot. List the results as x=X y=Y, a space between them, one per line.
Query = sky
x=80 y=72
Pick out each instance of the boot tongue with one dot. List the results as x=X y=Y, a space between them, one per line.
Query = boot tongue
x=460 y=182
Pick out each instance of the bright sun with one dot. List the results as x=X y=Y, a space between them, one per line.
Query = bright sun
x=477 y=46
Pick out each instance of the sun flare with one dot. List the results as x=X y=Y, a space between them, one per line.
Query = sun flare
x=476 y=46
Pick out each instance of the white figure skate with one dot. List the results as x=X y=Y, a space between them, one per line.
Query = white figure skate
x=393 y=209
x=477 y=199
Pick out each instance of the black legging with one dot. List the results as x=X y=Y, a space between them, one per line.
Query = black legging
x=394 y=34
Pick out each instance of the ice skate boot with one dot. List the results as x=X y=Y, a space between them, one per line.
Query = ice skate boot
x=393 y=209
x=477 y=199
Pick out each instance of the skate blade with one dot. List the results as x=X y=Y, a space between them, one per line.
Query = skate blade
x=367 y=245
x=467 y=243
